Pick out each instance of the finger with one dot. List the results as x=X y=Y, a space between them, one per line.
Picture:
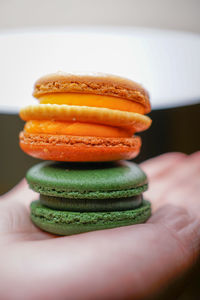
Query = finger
x=186 y=171
x=176 y=184
x=155 y=167
x=182 y=224
x=15 y=223
x=186 y=194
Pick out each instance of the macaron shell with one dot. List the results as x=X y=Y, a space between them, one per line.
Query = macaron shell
x=98 y=84
x=87 y=205
x=87 y=181
x=45 y=190
x=79 y=149
x=68 y=223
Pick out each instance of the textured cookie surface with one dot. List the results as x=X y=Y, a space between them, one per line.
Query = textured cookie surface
x=68 y=223
x=79 y=149
x=97 y=115
x=87 y=181
x=100 y=84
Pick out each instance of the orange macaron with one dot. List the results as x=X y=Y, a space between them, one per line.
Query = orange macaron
x=85 y=118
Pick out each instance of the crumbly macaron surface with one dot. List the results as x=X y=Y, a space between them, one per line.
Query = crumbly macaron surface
x=81 y=197
x=87 y=181
x=95 y=84
x=54 y=216
x=67 y=223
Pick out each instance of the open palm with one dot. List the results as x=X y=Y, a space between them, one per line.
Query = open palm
x=134 y=261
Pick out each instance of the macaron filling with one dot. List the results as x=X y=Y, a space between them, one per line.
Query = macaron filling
x=84 y=205
x=83 y=128
x=92 y=100
x=75 y=128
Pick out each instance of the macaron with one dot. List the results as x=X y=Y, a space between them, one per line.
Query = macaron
x=68 y=223
x=85 y=118
x=80 y=197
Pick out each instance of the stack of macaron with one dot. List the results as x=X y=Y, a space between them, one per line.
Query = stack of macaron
x=84 y=128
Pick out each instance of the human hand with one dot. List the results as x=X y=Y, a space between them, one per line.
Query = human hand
x=122 y=263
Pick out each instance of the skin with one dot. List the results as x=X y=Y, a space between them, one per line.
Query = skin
x=129 y=262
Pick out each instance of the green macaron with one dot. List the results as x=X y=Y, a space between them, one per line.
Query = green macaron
x=81 y=197
x=68 y=223
x=87 y=180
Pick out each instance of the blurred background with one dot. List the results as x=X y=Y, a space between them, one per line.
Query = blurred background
x=170 y=14
x=154 y=42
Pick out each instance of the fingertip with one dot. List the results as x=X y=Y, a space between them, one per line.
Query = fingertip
x=168 y=155
x=159 y=164
x=195 y=156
